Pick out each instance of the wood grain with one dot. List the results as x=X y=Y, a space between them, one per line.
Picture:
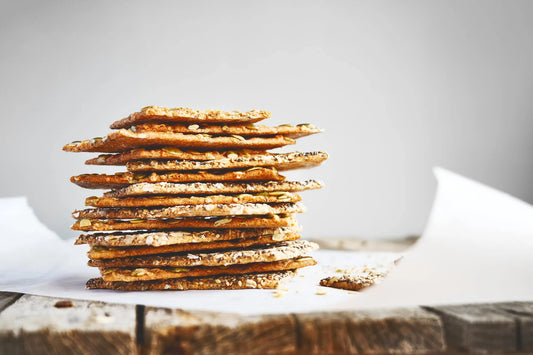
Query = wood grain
x=34 y=325
x=522 y=312
x=176 y=331
x=399 y=331
x=478 y=328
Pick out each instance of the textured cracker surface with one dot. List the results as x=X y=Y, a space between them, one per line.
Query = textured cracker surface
x=163 y=238
x=124 y=139
x=274 y=252
x=169 y=153
x=353 y=282
x=99 y=252
x=287 y=161
x=211 y=188
x=157 y=201
x=291 y=131
x=104 y=181
x=234 y=209
x=271 y=221
x=185 y=114
x=145 y=274
x=224 y=282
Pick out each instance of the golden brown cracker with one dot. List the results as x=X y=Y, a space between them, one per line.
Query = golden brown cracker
x=287 y=130
x=354 y=282
x=185 y=114
x=101 y=252
x=168 y=200
x=209 y=210
x=141 y=189
x=118 y=180
x=164 y=238
x=124 y=139
x=147 y=274
x=170 y=153
x=269 y=280
x=272 y=221
x=282 y=161
x=256 y=254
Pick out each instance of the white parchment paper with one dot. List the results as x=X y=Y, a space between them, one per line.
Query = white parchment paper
x=477 y=247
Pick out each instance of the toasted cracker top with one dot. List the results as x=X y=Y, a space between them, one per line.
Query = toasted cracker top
x=185 y=114
x=254 y=254
x=171 y=237
x=226 y=282
x=287 y=130
x=165 y=188
x=280 y=161
x=124 y=139
x=170 y=153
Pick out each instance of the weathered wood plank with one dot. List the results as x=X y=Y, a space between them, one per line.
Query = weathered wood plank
x=7 y=298
x=176 y=331
x=398 y=331
x=37 y=325
x=522 y=312
x=478 y=328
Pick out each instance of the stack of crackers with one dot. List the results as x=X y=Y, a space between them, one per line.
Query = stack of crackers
x=202 y=204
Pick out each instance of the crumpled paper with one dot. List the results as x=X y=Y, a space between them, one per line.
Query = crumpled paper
x=477 y=247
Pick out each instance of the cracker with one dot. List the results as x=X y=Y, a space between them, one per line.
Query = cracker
x=124 y=139
x=146 y=274
x=185 y=114
x=353 y=282
x=209 y=210
x=118 y=180
x=212 y=188
x=160 y=201
x=286 y=161
x=256 y=254
x=287 y=130
x=100 y=252
x=272 y=221
x=269 y=280
x=169 y=153
x=164 y=238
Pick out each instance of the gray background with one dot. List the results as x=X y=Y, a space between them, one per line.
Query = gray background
x=399 y=87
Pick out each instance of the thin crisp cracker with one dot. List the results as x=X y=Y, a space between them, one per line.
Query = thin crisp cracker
x=166 y=153
x=185 y=114
x=272 y=221
x=287 y=130
x=101 y=252
x=255 y=254
x=282 y=161
x=147 y=274
x=118 y=180
x=142 y=189
x=165 y=238
x=124 y=139
x=269 y=280
x=209 y=210
x=169 y=200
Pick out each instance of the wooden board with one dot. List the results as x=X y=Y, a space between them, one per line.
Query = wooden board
x=499 y=327
x=523 y=314
x=37 y=325
x=399 y=331
x=177 y=331
x=34 y=324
